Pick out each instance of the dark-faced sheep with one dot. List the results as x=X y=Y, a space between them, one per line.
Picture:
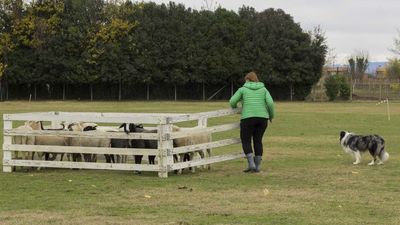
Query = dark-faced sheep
x=140 y=143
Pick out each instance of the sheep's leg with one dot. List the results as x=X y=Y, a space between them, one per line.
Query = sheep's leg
x=108 y=158
x=16 y=155
x=175 y=161
x=68 y=156
x=181 y=159
x=85 y=157
x=191 y=157
x=53 y=156
x=76 y=157
x=40 y=157
x=94 y=158
x=27 y=156
x=152 y=159
x=138 y=160
x=202 y=156
x=46 y=156
x=209 y=156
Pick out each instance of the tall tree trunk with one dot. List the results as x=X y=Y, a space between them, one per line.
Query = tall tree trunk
x=204 y=91
x=120 y=90
x=148 y=91
x=291 y=92
x=63 y=93
x=231 y=87
x=6 y=87
x=175 y=97
x=1 y=92
x=351 y=88
x=34 y=92
x=91 y=92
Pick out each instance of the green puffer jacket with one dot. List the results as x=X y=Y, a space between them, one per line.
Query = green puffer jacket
x=256 y=101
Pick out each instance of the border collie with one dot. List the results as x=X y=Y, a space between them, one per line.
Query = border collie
x=357 y=144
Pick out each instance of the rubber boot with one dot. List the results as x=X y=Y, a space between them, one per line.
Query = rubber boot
x=257 y=161
x=250 y=160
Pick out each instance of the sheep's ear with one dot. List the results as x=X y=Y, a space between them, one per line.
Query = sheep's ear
x=88 y=128
x=139 y=126
x=122 y=125
x=175 y=128
x=125 y=126
x=70 y=126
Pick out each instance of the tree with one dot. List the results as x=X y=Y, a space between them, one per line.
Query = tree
x=80 y=42
x=358 y=64
x=393 y=68
x=278 y=49
x=10 y=13
x=111 y=46
x=396 y=48
x=336 y=85
x=331 y=87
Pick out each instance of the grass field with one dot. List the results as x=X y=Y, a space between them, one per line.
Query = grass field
x=306 y=177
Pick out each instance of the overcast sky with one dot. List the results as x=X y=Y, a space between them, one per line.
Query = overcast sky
x=350 y=25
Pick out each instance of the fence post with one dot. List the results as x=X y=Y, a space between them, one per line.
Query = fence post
x=202 y=123
x=165 y=146
x=7 y=155
x=55 y=124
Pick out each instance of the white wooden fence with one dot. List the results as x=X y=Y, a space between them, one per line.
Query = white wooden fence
x=164 y=137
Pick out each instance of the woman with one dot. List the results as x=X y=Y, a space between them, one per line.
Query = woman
x=257 y=109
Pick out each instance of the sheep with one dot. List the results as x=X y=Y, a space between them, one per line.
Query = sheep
x=140 y=143
x=115 y=143
x=24 y=140
x=87 y=142
x=191 y=140
x=46 y=140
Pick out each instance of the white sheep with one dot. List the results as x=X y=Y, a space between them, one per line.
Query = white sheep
x=24 y=140
x=192 y=140
x=115 y=143
x=46 y=140
x=87 y=142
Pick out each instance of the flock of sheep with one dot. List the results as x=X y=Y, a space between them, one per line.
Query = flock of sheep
x=103 y=142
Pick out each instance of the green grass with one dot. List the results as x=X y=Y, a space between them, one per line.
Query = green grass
x=308 y=178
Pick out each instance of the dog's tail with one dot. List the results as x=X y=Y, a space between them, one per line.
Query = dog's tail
x=384 y=155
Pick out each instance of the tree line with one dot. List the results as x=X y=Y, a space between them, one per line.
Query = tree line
x=90 y=43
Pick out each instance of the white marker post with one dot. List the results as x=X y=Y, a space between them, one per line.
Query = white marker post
x=387 y=107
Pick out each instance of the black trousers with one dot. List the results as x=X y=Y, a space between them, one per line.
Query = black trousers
x=253 y=128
